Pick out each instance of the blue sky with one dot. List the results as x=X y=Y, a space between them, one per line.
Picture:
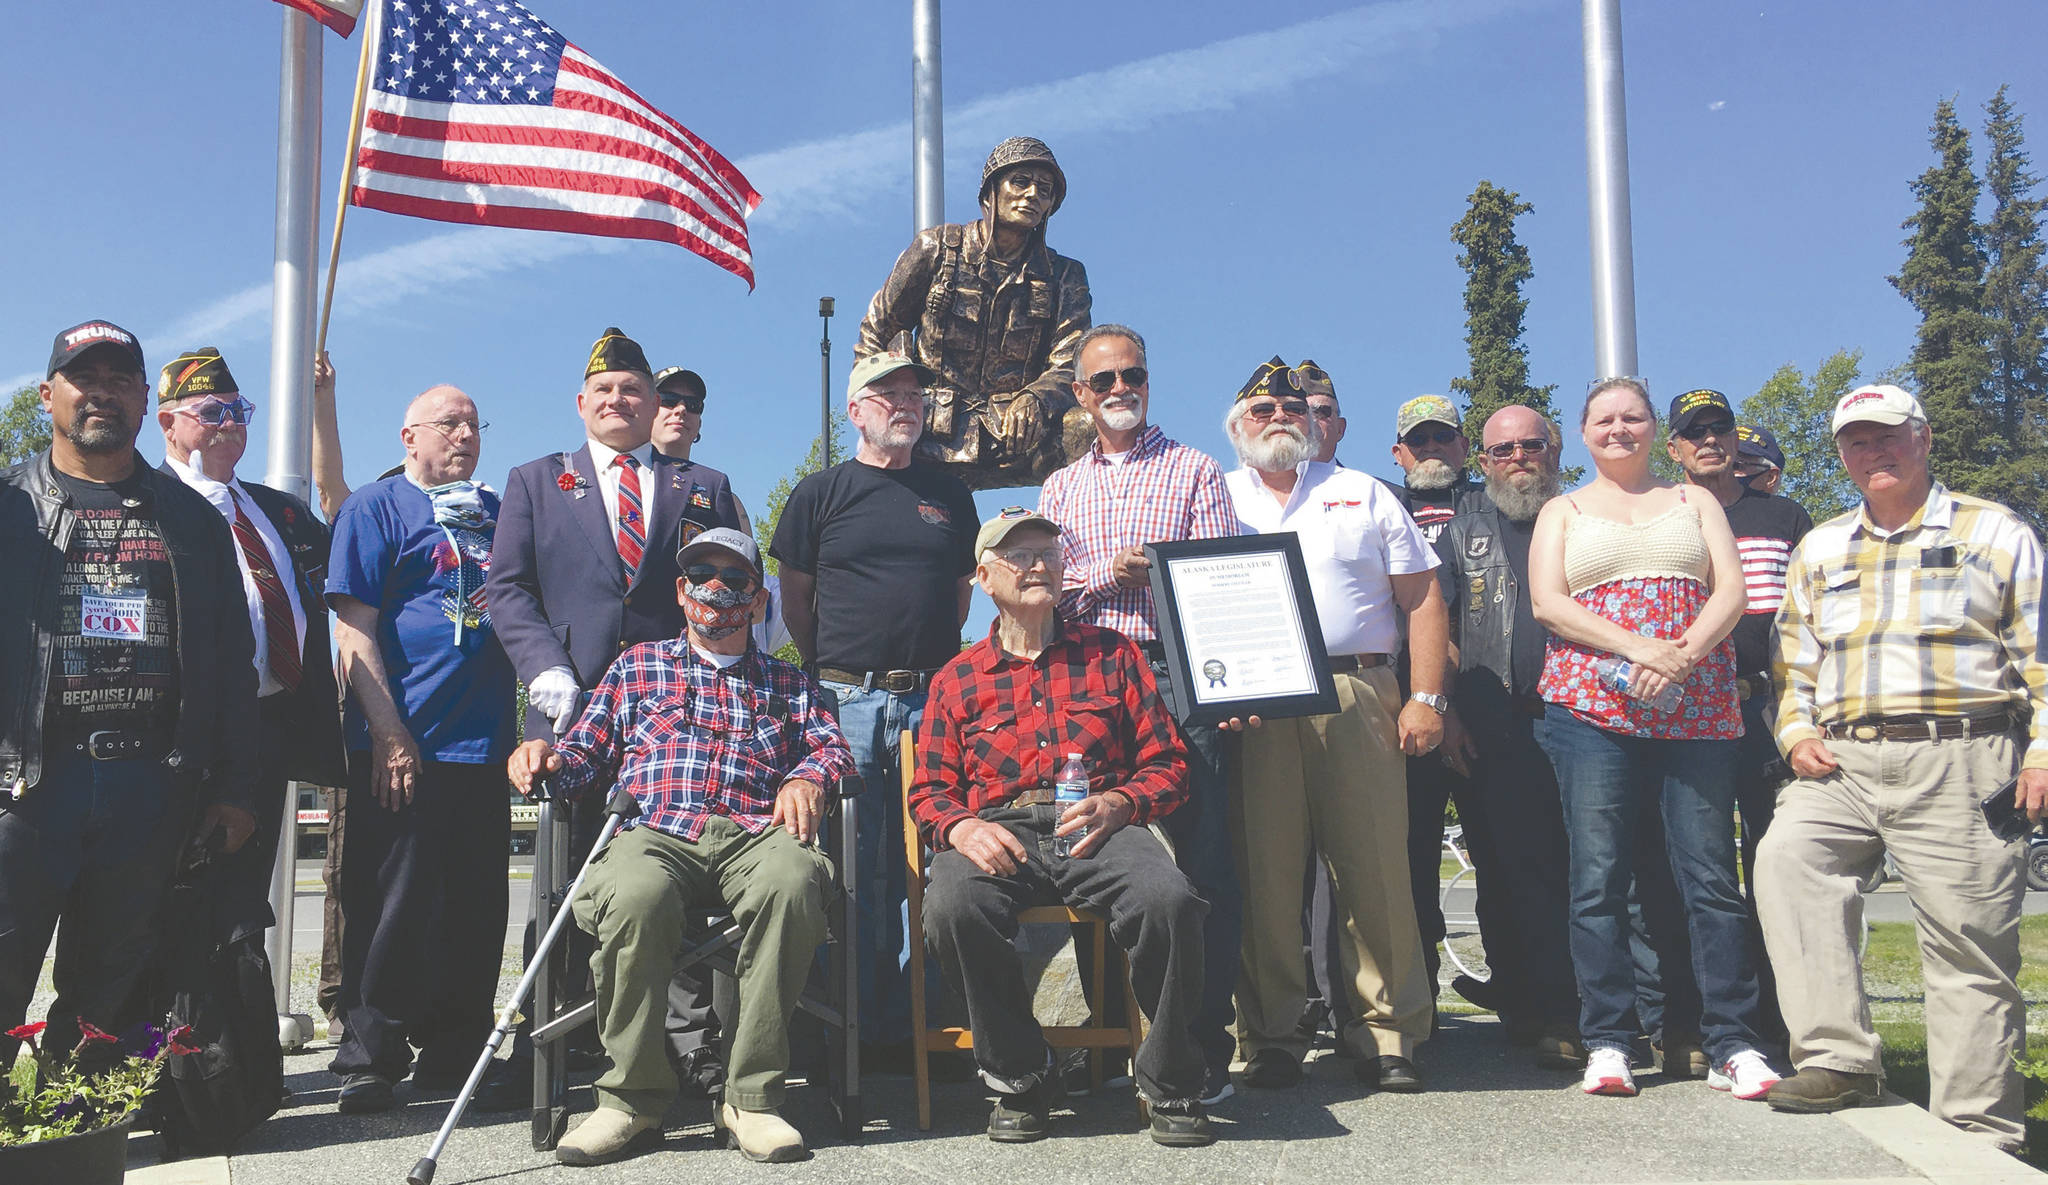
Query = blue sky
x=1244 y=180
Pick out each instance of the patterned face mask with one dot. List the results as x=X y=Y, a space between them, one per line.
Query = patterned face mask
x=459 y=512
x=717 y=612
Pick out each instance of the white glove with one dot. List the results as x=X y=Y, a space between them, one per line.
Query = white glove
x=554 y=692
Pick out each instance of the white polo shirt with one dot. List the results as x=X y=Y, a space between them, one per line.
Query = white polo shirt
x=1354 y=533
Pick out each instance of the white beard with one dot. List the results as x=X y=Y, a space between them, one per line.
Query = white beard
x=1123 y=419
x=1271 y=452
x=1522 y=501
x=1432 y=475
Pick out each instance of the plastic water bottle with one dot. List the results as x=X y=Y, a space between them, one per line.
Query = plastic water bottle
x=1069 y=788
x=1616 y=673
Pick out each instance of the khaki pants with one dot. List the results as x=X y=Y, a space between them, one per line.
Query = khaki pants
x=1336 y=784
x=637 y=901
x=1917 y=800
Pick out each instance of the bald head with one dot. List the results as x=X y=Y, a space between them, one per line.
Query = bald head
x=1520 y=483
x=1513 y=422
x=442 y=435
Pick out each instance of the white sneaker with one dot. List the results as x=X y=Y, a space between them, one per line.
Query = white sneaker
x=1607 y=1072
x=1746 y=1075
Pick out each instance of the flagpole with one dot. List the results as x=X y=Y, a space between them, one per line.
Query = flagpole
x=291 y=380
x=1614 y=269
x=372 y=27
x=927 y=118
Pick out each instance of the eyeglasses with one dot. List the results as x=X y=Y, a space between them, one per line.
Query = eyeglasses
x=451 y=427
x=1026 y=558
x=1535 y=446
x=1699 y=432
x=736 y=579
x=215 y=412
x=1267 y=409
x=1102 y=382
x=691 y=401
x=1323 y=411
x=911 y=398
x=1419 y=437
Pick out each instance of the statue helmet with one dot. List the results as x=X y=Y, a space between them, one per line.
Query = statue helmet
x=1022 y=150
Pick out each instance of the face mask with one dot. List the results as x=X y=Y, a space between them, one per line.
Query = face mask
x=458 y=505
x=717 y=612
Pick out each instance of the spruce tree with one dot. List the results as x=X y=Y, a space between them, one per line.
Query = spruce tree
x=1496 y=267
x=2016 y=307
x=1943 y=278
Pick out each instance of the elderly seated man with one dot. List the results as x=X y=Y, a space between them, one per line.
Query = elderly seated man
x=999 y=724
x=728 y=752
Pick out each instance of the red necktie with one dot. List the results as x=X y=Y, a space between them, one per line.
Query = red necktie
x=632 y=531
x=277 y=607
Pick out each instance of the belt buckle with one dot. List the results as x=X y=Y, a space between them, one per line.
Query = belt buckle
x=1865 y=732
x=110 y=745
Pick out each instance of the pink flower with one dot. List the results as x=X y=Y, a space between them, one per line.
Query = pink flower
x=178 y=1037
x=92 y=1032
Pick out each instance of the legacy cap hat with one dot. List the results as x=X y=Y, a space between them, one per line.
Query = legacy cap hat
x=1877 y=403
x=72 y=343
x=199 y=372
x=871 y=369
x=1425 y=409
x=1703 y=404
x=1007 y=520
x=616 y=351
x=677 y=378
x=738 y=542
x=1752 y=441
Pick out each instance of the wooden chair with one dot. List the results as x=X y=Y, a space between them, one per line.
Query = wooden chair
x=1095 y=1036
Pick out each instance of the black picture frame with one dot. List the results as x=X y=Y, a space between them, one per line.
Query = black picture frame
x=1200 y=703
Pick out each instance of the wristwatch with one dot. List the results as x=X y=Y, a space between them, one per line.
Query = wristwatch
x=1442 y=703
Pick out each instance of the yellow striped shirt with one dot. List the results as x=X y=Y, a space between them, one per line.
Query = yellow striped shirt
x=1936 y=618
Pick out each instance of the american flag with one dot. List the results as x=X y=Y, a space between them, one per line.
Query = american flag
x=338 y=15
x=480 y=112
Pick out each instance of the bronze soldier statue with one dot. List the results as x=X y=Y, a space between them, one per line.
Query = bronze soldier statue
x=995 y=314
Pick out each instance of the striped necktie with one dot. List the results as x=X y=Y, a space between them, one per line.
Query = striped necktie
x=632 y=525
x=278 y=631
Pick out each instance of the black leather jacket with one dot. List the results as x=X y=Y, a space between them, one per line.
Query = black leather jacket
x=1481 y=588
x=212 y=751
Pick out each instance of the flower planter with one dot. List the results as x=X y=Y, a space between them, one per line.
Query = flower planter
x=97 y=1157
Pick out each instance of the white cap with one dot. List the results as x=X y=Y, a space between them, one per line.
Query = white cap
x=1877 y=403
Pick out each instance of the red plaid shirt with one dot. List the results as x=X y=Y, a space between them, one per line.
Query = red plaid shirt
x=997 y=728
x=1162 y=492
x=692 y=741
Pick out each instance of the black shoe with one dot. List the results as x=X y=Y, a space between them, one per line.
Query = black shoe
x=1396 y=1075
x=1217 y=1086
x=1314 y=1022
x=1180 y=1123
x=1273 y=1068
x=580 y=1059
x=699 y=1073
x=365 y=1094
x=1480 y=993
x=507 y=1087
x=439 y=1081
x=1022 y=1118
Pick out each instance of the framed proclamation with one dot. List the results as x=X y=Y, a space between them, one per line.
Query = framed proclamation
x=1239 y=627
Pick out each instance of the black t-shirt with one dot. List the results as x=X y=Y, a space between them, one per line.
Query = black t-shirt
x=1432 y=509
x=114 y=664
x=1766 y=527
x=888 y=548
x=1530 y=638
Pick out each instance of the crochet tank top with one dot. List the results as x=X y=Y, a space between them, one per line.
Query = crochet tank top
x=1599 y=550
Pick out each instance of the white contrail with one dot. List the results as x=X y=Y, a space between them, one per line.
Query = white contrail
x=833 y=177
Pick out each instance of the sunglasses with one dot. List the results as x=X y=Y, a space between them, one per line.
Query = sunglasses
x=1324 y=411
x=1419 y=437
x=736 y=579
x=692 y=403
x=1267 y=409
x=214 y=412
x=1102 y=382
x=1699 y=432
x=1535 y=446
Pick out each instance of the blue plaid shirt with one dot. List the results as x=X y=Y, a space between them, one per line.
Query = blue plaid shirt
x=692 y=741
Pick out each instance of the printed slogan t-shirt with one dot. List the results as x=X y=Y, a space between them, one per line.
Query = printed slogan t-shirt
x=115 y=659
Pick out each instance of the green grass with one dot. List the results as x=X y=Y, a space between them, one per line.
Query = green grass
x=1891 y=972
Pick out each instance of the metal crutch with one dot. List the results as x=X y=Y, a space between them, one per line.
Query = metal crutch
x=619 y=808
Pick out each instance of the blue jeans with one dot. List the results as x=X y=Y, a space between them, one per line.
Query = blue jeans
x=1609 y=781
x=873 y=721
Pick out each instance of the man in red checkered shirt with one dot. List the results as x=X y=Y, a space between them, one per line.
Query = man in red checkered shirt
x=1137 y=487
x=1002 y=719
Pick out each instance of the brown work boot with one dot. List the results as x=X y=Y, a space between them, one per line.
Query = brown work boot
x=605 y=1136
x=1682 y=1057
x=759 y=1135
x=1818 y=1089
x=1559 y=1048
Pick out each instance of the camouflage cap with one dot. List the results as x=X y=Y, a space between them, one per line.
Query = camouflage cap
x=1023 y=150
x=1426 y=409
x=1314 y=380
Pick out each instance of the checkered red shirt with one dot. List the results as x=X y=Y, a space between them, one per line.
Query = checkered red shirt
x=1161 y=493
x=691 y=741
x=998 y=727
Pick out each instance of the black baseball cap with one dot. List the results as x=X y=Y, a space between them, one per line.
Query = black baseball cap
x=679 y=381
x=1752 y=441
x=1702 y=404
x=72 y=344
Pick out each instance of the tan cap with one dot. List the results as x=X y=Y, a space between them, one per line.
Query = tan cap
x=1877 y=403
x=1007 y=520
x=866 y=371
